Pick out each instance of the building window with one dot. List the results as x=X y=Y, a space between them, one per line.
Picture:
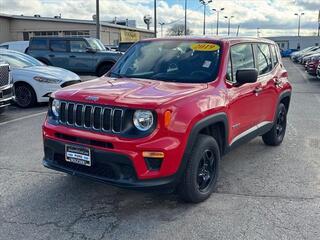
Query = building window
x=45 y=33
x=84 y=33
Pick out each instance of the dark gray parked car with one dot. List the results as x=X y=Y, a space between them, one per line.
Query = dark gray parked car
x=78 y=54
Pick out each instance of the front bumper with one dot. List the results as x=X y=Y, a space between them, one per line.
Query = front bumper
x=6 y=96
x=107 y=167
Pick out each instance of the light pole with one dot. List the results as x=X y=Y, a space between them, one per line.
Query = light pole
x=218 y=11
x=258 y=32
x=299 y=21
x=161 y=26
x=185 y=16
x=229 y=20
x=98 y=18
x=155 y=17
x=204 y=3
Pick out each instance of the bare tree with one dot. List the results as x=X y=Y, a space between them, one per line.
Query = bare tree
x=178 y=30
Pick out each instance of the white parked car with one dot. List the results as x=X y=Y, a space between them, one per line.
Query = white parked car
x=20 y=46
x=33 y=81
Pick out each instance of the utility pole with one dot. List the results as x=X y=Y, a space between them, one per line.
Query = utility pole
x=161 y=26
x=98 y=18
x=155 y=18
x=218 y=11
x=185 y=16
x=229 y=21
x=258 y=32
x=204 y=3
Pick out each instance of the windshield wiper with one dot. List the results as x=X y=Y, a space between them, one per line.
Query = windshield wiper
x=118 y=75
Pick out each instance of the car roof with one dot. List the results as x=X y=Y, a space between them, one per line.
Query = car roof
x=63 y=38
x=231 y=40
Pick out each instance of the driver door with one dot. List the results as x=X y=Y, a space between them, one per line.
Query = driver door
x=80 y=60
x=244 y=100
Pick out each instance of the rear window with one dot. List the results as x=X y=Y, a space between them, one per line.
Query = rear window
x=58 y=45
x=38 y=44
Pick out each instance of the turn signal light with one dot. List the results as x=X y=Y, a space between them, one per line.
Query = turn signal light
x=167 y=118
x=153 y=154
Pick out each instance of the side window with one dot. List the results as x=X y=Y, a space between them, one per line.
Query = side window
x=274 y=55
x=241 y=57
x=263 y=58
x=58 y=45
x=39 y=44
x=4 y=46
x=78 y=46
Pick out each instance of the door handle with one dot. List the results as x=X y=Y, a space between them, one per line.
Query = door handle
x=51 y=55
x=257 y=90
x=72 y=56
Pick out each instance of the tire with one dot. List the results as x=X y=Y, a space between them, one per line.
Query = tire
x=25 y=95
x=202 y=170
x=104 y=68
x=275 y=136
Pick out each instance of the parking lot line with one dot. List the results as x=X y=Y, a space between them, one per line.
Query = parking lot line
x=22 y=118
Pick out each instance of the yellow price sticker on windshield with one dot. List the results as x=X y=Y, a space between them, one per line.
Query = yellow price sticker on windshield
x=205 y=47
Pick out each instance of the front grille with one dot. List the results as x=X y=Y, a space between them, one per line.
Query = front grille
x=91 y=117
x=4 y=75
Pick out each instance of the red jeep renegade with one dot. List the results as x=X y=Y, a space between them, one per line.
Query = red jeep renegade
x=167 y=111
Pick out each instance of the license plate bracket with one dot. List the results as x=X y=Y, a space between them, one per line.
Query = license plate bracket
x=78 y=155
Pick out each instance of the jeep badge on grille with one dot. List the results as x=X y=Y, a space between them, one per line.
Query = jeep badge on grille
x=92 y=98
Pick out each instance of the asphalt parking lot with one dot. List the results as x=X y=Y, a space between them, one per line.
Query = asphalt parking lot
x=263 y=192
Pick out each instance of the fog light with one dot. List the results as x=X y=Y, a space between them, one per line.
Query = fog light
x=153 y=159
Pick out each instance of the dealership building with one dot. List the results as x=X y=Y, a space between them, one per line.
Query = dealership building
x=295 y=42
x=19 y=28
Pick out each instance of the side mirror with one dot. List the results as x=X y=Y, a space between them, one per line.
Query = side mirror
x=246 y=75
x=91 y=50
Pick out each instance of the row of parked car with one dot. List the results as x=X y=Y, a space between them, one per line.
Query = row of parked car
x=46 y=64
x=310 y=58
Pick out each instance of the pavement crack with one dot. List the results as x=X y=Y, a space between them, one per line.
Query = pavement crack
x=284 y=197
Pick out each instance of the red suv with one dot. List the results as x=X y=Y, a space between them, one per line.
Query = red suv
x=164 y=115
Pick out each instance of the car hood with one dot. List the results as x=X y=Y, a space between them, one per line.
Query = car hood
x=127 y=92
x=48 y=71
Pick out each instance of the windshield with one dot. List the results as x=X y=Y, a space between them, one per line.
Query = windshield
x=170 y=60
x=124 y=46
x=96 y=44
x=20 y=60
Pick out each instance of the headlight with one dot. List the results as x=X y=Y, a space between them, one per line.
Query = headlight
x=47 y=80
x=143 y=120
x=55 y=107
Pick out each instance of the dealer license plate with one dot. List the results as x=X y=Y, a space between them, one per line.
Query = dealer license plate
x=78 y=155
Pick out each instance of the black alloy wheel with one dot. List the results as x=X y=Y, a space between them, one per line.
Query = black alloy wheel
x=25 y=96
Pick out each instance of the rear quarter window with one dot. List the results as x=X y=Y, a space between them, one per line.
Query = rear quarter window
x=39 y=44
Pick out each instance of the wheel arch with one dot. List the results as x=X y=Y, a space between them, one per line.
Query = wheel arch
x=285 y=98
x=105 y=61
x=209 y=125
x=44 y=60
x=21 y=82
